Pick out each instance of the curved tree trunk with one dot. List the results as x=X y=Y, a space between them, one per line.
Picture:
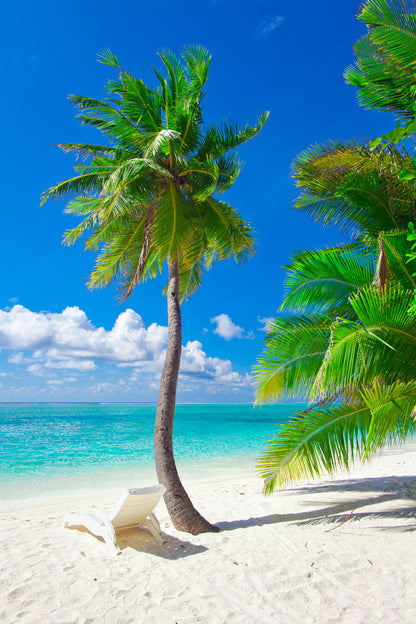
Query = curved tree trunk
x=183 y=514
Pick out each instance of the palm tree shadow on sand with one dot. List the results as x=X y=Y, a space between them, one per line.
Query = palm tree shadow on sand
x=383 y=490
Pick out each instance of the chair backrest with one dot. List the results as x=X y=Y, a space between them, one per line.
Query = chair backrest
x=135 y=505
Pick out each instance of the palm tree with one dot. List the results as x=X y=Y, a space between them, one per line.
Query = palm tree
x=152 y=198
x=344 y=332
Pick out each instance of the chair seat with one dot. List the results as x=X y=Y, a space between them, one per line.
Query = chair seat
x=134 y=509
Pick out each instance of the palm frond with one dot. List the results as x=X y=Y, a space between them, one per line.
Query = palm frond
x=385 y=56
x=170 y=224
x=393 y=417
x=323 y=281
x=197 y=59
x=145 y=243
x=190 y=277
x=222 y=138
x=323 y=440
x=85 y=150
x=229 y=168
x=397 y=248
x=315 y=442
x=347 y=185
x=86 y=183
x=119 y=251
x=107 y=58
x=295 y=347
x=380 y=345
x=140 y=104
x=177 y=83
x=201 y=177
x=226 y=231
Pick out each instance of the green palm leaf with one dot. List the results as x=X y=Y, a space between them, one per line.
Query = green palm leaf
x=354 y=188
x=381 y=344
x=324 y=440
x=323 y=281
x=385 y=57
x=226 y=136
x=294 y=351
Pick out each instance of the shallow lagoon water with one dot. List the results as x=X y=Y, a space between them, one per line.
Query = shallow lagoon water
x=59 y=447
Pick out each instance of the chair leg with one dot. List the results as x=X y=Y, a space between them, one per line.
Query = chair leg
x=152 y=524
x=108 y=533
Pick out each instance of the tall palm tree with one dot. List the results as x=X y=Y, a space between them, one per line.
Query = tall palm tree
x=152 y=198
x=339 y=333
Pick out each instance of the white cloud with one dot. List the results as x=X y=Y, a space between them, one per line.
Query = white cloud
x=265 y=322
x=48 y=342
x=195 y=363
x=69 y=336
x=38 y=367
x=268 y=26
x=17 y=358
x=227 y=329
x=81 y=365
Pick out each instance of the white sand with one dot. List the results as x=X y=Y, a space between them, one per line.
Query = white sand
x=299 y=556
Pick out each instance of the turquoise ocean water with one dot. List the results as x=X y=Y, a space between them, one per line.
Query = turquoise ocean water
x=50 y=448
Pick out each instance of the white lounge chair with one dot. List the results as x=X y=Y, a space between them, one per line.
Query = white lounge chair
x=134 y=509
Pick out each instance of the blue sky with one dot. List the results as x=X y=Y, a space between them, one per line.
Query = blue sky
x=60 y=341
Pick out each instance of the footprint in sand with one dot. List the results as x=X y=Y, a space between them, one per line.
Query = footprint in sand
x=16 y=593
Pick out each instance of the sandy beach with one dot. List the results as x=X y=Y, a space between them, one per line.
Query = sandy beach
x=341 y=550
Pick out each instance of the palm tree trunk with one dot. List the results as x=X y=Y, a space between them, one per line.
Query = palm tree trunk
x=183 y=514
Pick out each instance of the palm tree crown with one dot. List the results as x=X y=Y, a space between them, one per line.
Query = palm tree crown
x=152 y=196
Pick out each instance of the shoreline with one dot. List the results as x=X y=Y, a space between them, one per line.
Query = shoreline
x=64 y=486
x=340 y=550
x=67 y=486
x=103 y=492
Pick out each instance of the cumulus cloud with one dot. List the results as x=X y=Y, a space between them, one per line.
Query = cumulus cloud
x=228 y=330
x=46 y=342
x=268 y=26
x=196 y=363
x=69 y=337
